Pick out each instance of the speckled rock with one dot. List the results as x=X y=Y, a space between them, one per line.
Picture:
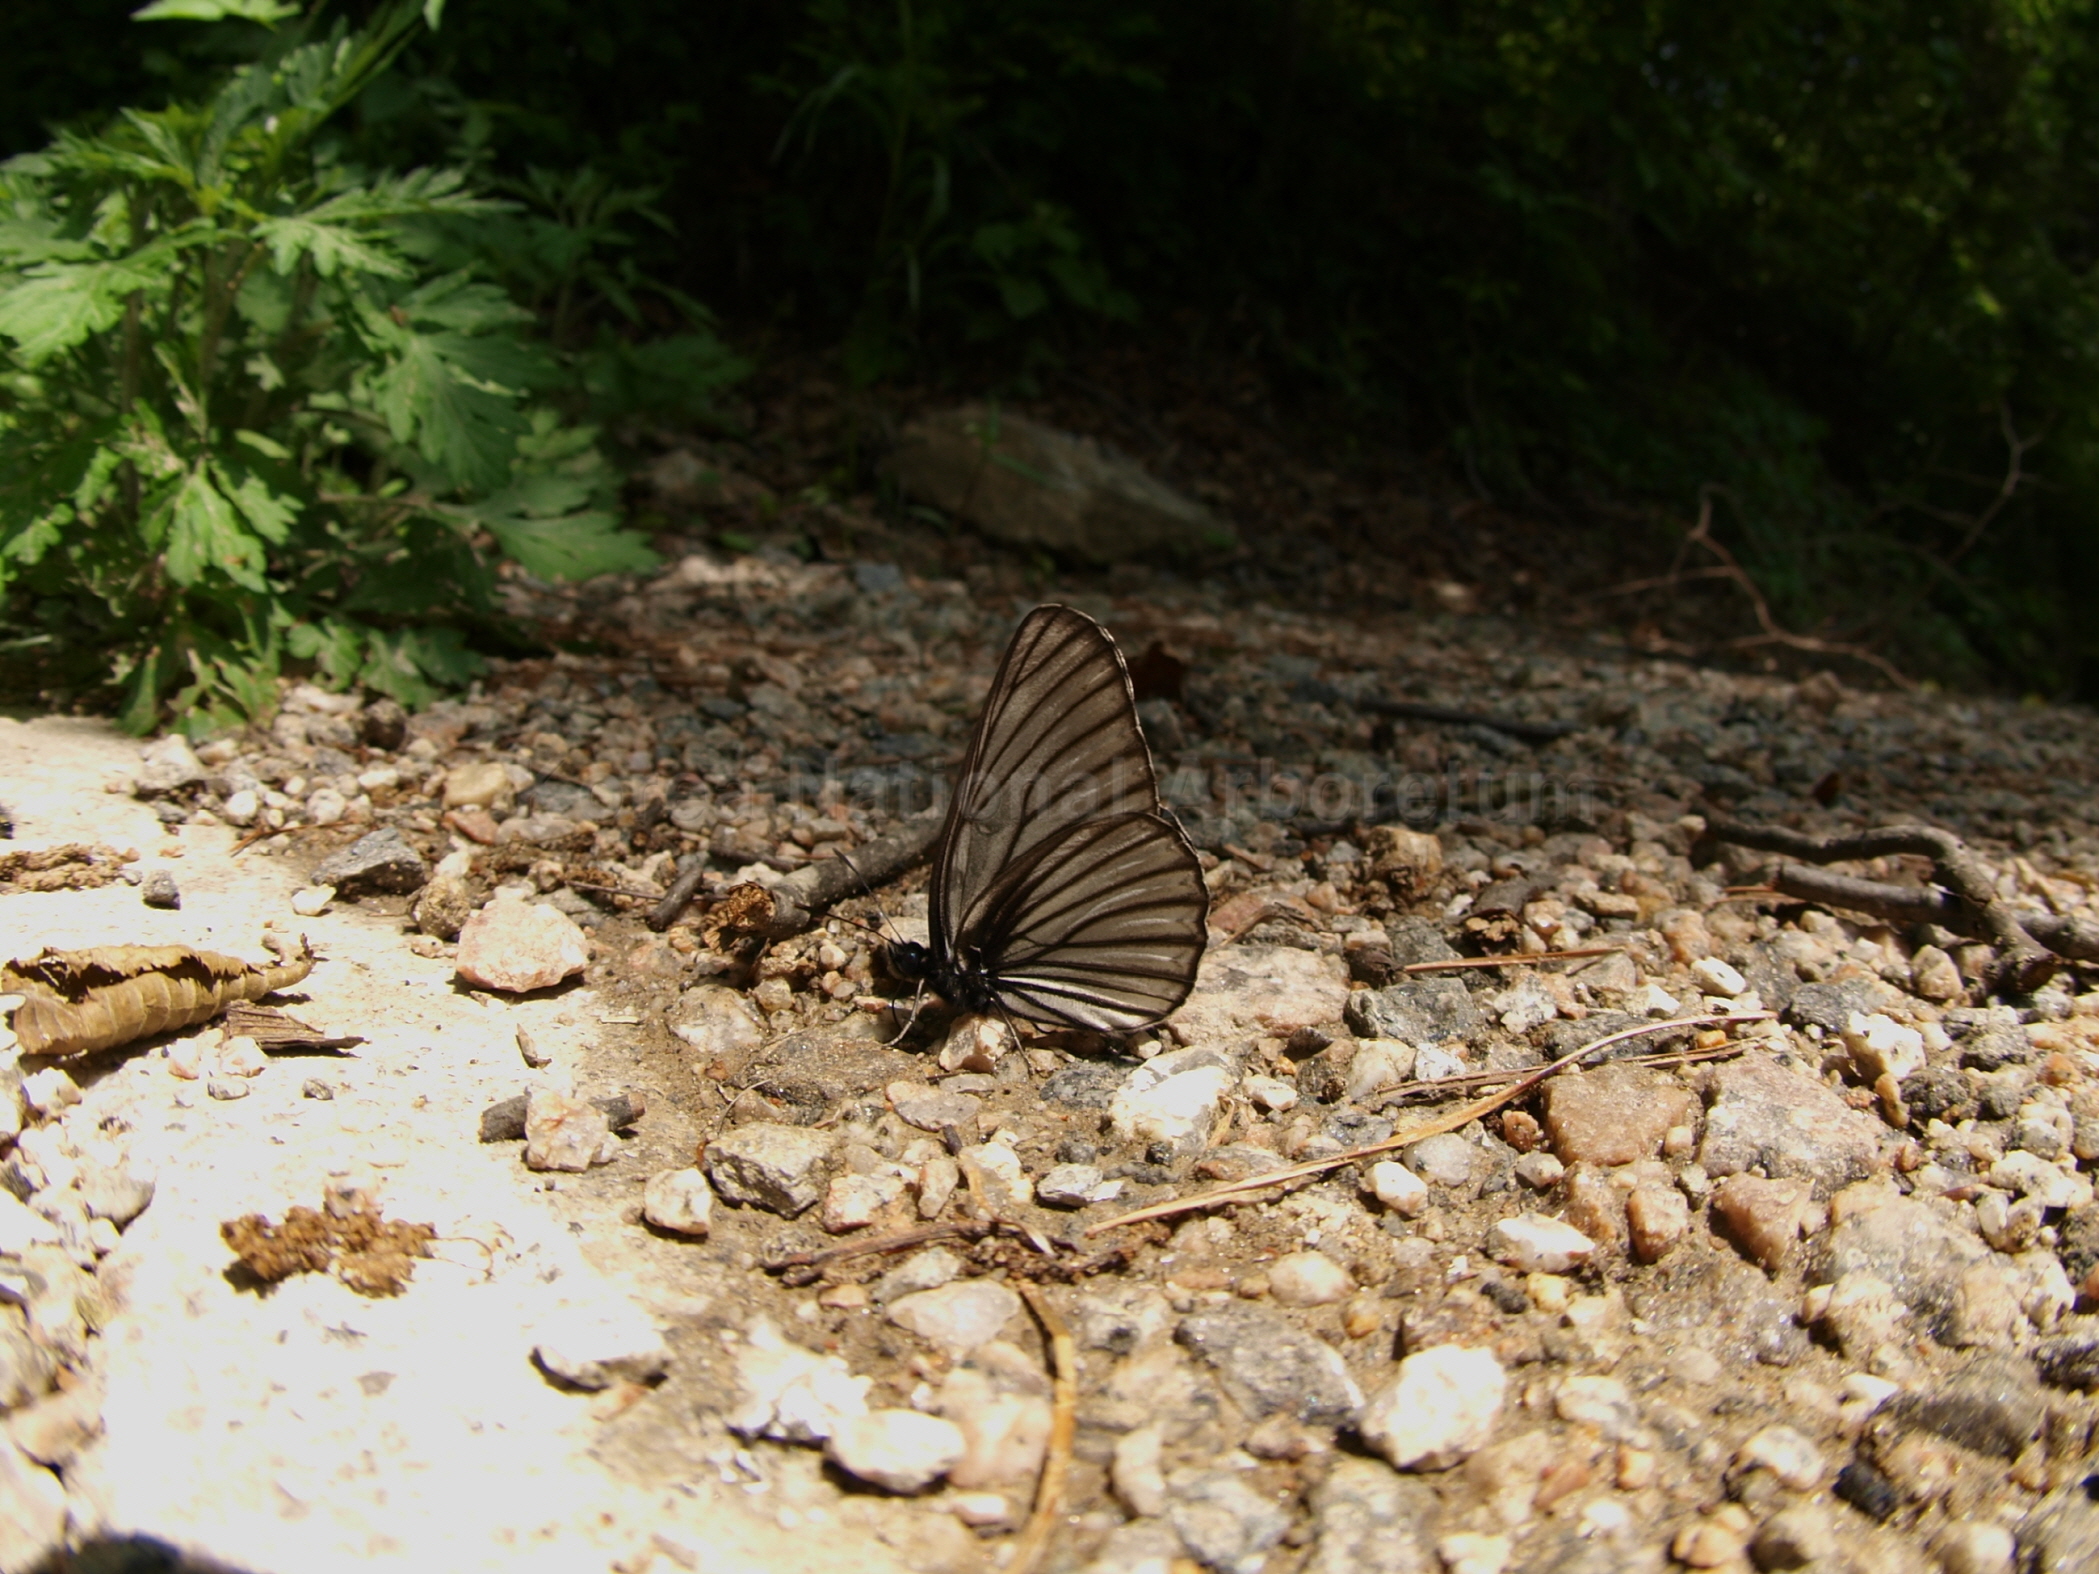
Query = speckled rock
x=1366 y=1520
x=769 y=1165
x=1221 y=1519
x=518 y=946
x=1270 y=1366
x=1421 y=1011
x=1789 y=1124
x=1614 y=1114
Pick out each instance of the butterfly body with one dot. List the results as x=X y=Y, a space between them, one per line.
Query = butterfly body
x=1062 y=890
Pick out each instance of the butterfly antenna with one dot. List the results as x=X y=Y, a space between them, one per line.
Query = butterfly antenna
x=872 y=929
x=918 y=1001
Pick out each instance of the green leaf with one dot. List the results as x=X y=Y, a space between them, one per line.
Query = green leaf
x=269 y=513
x=267 y=12
x=572 y=546
x=458 y=422
x=332 y=247
x=203 y=532
x=56 y=305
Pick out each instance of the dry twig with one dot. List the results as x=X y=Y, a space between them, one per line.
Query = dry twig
x=1513 y=959
x=792 y=904
x=1730 y=569
x=1963 y=901
x=1033 y=1540
x=1463 y=1115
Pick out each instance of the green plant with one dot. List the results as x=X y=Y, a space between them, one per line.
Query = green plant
x=244 y=418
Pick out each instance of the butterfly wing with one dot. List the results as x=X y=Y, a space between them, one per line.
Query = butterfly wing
x=1057 y=744
x=1100 y=927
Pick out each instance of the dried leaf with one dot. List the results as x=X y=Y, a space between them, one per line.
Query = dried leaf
x=80 y=1001
x=70 y=866
x=277 y=1031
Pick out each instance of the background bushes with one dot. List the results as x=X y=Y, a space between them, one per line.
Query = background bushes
x=1834 y=258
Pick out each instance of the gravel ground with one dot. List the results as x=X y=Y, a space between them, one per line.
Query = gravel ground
x=1809 y=1289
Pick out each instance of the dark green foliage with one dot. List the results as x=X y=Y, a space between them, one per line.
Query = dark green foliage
x=259 y=403
x=1830 y=256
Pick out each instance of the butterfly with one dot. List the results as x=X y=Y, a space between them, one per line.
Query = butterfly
x=1062 y=891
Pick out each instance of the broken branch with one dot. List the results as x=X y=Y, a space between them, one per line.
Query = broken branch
x=790 y=905
x=1966 y=903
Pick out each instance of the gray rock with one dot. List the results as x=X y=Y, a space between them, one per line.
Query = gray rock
x=770 y=1166
x=1446 y=1159
x=1906 y=1245
x=1417 y=940
x=2061 y=1535
x=1772 y=977
x=1371 y=1521
x=1087 y=1084
x=1421 y=1011
x=159 y=889
x=1995 y=1048
x=169 y=765
x=1563 y=1037
x=378 y=863
x=119 y=1193
x=1789 y=1123
x=564 y=800
x=1993 y=1407
x=1223 y=1521
x=2071 y=1358
x=1830 y=1006
x=1021 y=482
x=1271 y=1366
x=926 y=1270
x=1075 y=1186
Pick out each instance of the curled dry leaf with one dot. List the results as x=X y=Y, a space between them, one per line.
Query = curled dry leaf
x=77 y=1002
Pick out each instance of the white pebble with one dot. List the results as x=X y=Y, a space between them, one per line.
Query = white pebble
x=1271 y=1093
x=1716 y=977
x=1440 y=1409
x=241 y=1056
x=1399 y=1188
x=49 y=1091
x=1533 y=1243
x=1786 y=1453
x=311 y=901
x=898 y=1450
x=680 y=1201
x=1309 y=1279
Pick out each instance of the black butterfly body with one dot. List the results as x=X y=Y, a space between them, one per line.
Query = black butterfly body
x=1062 y=891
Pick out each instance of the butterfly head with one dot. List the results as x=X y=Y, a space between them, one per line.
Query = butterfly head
x=909 y=960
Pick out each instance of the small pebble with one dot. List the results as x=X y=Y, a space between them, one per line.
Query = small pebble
x=1399 y=1188
x=533 y=1055
x=1716 y=977
x=312 y=900
x=1439 y=1409
x=1309 y=1279
x=1474 y=1552
x=1135 y=1472
x=1706 y=1545
x=1975 y=1547
x=315 y=1088
x=897 y=1450
x=158 y=889
x=241 y=1056
x=566 y=1133
x=1786 y=1453
x=50 y=1091
x=679 y=1201
x=228 y=1088
x=1533 y=1243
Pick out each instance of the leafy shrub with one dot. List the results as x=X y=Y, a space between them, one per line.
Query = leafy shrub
x=260 y=405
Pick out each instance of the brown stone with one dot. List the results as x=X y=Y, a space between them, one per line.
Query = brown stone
x=1763 y=1216
x=1614 y=1115
x=1657 y=1216
x=1595 y=1206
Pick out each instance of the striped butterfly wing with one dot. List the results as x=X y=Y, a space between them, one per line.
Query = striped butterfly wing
x=1101 y=928
x=1059 y=881
x=1057 y=744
